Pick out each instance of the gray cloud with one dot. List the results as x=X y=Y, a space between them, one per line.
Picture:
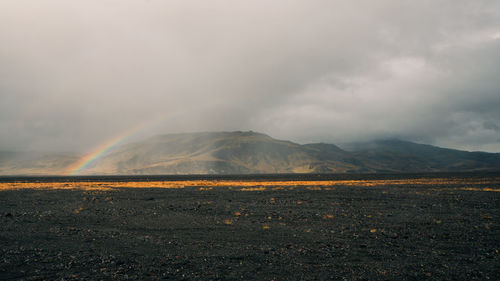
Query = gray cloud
x=75 y=73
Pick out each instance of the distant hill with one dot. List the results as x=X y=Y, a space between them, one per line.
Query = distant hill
x=251 y=153
x=221 y=153
x=35 y=163
x=402 y=156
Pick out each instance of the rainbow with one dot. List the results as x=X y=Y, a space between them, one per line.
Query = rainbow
x=104 y=148
x=97 y=153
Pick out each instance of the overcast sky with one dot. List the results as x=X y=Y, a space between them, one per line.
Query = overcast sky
x=75 y=73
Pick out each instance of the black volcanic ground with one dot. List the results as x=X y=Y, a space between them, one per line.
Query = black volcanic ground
x=413 y=227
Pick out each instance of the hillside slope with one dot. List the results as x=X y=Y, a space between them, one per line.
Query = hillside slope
x=251 y=152
x=400 y=156
x=35 y=163
x=220 y=153
x=254 y=153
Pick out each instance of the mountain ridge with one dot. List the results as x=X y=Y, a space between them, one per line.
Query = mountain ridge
x=257 y=153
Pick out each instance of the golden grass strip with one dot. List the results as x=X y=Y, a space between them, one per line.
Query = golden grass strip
x=244 y=185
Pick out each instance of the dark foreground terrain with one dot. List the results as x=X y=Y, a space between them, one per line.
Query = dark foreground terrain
x=442 y=229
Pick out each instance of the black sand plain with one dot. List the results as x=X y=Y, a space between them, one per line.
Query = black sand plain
x=445 y=229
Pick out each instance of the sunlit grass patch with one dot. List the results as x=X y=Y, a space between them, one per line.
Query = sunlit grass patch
x=254 y=185
x=54 y=186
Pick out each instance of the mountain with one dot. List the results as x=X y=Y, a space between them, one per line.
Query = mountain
x=401 y=156
x=222 y=153
x=35 y=163
x=251 y=152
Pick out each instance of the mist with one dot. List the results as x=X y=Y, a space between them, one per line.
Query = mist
x=74 y=74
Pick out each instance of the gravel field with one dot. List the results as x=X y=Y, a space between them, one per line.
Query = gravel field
x=394 y=228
